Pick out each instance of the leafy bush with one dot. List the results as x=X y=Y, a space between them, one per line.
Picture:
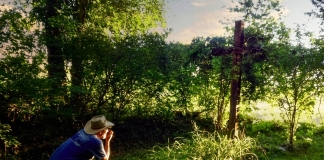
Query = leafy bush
x=271 y=145
x=319 y=130
x=305 y=129
x=205 y=145
x=304 y=135
x=270 y=135
x=266 y=127
x=9 y=141
x=246 y=121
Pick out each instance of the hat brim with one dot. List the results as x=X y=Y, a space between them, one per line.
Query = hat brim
x=89 y=130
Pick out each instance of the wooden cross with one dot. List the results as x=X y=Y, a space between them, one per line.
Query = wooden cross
x=236 y=77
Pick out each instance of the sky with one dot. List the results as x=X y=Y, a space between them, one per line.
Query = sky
x=200 y=18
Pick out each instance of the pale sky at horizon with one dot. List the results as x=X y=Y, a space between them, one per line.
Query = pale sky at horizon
x=200 y=18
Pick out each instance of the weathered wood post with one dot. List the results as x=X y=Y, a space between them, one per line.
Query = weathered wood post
x=236 y=78
x=237 y=54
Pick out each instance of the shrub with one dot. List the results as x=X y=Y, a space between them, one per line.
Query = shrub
x=319 y=131
x=305 y=129
x=205 y=145
x=266 y=127
x=9 y=141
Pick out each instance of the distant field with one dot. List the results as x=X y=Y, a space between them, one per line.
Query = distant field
x=266 y=112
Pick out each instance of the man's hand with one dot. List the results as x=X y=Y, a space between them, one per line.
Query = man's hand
x=109 y=135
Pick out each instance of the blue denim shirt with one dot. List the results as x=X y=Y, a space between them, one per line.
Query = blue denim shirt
x=81 y=146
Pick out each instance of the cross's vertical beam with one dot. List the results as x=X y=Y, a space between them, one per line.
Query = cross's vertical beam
x=236 y=78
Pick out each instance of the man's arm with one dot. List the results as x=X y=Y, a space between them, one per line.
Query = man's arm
x=107 y=144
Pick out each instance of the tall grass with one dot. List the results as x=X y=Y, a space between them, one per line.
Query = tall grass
x=206 y=146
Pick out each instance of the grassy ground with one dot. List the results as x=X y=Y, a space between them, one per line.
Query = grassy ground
x=136 y=139
x=304 y=151
x=270 y=140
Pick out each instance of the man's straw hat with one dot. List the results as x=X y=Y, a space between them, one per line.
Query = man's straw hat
x=97 y=124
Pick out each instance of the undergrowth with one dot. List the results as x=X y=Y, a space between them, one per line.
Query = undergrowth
x=205 y=145
x=263 y=141
x=148 y=139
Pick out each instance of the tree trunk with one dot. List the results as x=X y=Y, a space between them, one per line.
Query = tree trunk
x=56 y=69
x=224 y=87
x=77 y=97
x=291 y=136
x=221 y=107
x=77 y=71
x=292 y=128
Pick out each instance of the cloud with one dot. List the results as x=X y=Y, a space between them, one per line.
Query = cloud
x=205 y=25
x=201 y=18
x=204 y=22
x=203 y=3
x=285 y=11
x=198 y=4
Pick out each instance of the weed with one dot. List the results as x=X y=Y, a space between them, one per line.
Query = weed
x=205 y=145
